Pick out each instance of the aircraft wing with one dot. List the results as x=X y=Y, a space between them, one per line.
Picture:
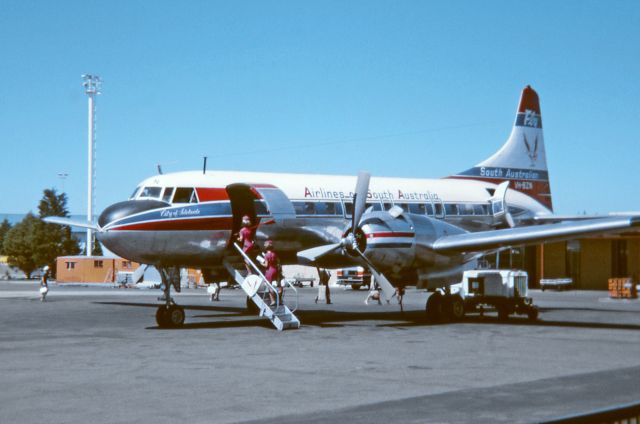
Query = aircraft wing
x=535 y=234
x=66 y=221
x=548 y=219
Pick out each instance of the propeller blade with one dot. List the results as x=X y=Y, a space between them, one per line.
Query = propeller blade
x=316 y=252
x=71 y=223
x=387 y=288
x=360 y=198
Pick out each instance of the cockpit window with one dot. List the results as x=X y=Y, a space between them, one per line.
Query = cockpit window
x=185 y=195
x=135 y=192
x=153 y=192
x=168 y=192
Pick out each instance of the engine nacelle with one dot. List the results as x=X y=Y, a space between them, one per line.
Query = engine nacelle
x=402 y=245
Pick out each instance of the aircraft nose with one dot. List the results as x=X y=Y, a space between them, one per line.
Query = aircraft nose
x=128 y=207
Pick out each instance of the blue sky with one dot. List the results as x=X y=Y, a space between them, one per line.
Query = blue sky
x=413 y=89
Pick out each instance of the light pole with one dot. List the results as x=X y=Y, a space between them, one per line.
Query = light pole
x=92 y=85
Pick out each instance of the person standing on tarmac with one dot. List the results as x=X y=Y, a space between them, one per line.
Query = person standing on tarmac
x=272 y=271
x=323 y=286
x=44 y=284
x=246 y=236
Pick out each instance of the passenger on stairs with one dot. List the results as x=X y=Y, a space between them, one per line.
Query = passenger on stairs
x=246 y=236
x=272 y=272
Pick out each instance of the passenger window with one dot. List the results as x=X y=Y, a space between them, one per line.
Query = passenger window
x=325 y=208
x=451 y=209
x=298 y=207
x=478 y=210
x=184 y=195
x=168 y=192
x=438 y=209
x=387 y=206
x=151 y=192
x=348 y=209
x=417 y=208
x=376 y=206
x=465 y=209
x=261 y=208
x=429 y=209
x=309 y=208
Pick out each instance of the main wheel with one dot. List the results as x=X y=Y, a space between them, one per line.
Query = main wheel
x=175 y=316
x=456 y=308
x=435 y=307
x=162 y=317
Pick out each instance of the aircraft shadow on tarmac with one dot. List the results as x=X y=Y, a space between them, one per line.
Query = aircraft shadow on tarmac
x=224 y=318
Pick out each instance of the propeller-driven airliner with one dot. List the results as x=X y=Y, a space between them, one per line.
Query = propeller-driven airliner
x=409 y=232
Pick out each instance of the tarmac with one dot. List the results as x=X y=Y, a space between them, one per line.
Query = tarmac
x=96 y=355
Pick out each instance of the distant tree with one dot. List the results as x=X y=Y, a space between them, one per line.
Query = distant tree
x=33 y=243
x=19 y=244
x=4 y=229
x=53 y=204
x=97 y=248
x=53 y=240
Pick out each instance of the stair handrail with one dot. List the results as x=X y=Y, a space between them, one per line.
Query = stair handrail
x=287 y=282
x=257 y=270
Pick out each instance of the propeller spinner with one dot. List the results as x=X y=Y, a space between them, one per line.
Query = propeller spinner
x=354 y=241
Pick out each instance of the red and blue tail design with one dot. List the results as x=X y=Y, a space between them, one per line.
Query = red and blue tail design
x=522 y=159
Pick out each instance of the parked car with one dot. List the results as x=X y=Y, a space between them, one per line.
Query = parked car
x=356 y=277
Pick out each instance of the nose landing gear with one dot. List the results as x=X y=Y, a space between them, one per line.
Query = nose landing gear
x=170 y=315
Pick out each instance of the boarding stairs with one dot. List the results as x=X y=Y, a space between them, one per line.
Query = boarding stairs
x=258 y=289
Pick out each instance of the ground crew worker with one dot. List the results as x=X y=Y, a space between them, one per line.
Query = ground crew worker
x=323 y=286
x=246 y=237
x=272 y=264
x=374 y=294
x=44 y=284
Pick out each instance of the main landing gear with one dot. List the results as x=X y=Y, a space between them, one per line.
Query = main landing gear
x=444 y=307
x=169 y=315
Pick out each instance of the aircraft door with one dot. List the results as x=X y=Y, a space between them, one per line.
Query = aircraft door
x=258 y=203
x=279 y=205
x=242 y=199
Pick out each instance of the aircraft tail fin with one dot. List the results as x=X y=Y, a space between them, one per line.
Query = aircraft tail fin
x=522 y=159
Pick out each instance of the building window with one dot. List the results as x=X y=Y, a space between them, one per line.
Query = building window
x=98 y=264
x=71 y=265
x=126 y=264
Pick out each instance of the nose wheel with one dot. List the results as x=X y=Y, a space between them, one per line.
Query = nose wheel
x=170 y=315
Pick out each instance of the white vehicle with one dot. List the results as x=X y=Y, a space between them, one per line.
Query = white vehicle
x=356 y=277
x=504 y=290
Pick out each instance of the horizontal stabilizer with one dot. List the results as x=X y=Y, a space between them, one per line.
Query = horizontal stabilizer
x=67 y=221
x=535 y=234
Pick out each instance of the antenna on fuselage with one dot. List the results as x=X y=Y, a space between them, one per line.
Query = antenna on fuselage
x=159 y=169
x=204 y=165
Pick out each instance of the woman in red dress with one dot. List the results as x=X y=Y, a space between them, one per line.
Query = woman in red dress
x=272 y=264
x=247 y=238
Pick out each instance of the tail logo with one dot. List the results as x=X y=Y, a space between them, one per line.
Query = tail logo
x=532 y=153
x=530 y=118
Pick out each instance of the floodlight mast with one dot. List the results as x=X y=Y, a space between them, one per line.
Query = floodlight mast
x=92 y=85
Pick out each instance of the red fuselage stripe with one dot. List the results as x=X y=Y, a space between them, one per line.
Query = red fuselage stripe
x=389 y=234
